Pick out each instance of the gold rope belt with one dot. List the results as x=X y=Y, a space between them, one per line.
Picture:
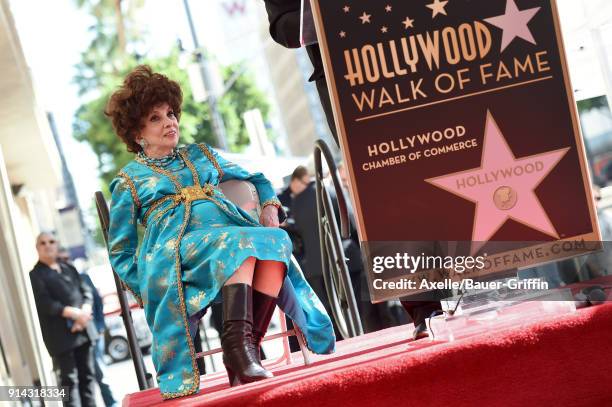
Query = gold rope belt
x=185 y=196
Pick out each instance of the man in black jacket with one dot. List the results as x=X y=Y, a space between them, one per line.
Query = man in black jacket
x=304 y=210
x=64 y=304
x=284 y=18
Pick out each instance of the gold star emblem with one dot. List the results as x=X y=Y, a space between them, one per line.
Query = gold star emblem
x=408 y=23
x=346 y=9
x=388 y=8
x=383 y=29
x=342 y=34
x=196 y=301
x=437 y=7
x=170 y=244
x=365 y=18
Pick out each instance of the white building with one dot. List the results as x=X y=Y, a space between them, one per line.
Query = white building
x=587 y=32
x=29 y=178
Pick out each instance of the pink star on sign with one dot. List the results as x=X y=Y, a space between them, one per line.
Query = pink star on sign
x=503 y=186
x=408 y=23
x=365 y=18
x=514 y=23
x=437 y=7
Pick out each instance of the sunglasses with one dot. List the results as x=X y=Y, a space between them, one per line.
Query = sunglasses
x=46 y=242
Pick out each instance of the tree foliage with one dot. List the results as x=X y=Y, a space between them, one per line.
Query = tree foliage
x=107 y=61
x=596 y=103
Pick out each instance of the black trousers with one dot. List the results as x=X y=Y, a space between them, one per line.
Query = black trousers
x=374 y=317
x=419 y=311
x=77 y=372
x=327 y=106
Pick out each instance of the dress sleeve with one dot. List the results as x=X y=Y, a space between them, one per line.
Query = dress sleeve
x=228 y=170
x=122 y=233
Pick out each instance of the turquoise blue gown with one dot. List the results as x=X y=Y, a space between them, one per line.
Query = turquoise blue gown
x=194 y=240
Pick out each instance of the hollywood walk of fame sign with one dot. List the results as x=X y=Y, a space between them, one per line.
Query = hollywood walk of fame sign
x=457 y=124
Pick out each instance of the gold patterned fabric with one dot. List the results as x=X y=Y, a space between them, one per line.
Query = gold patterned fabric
x=194 y=241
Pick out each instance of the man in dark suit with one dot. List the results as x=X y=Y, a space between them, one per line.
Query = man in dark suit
x=100 y=324
x=298 y=182
x=284 y=18
x=422 y=306
x=374 y=316
x=64 y=304
x=304 y=210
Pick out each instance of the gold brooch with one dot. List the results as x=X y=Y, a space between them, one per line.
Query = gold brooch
x=195 y=193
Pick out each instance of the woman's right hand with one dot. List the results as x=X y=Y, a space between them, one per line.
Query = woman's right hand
x=269 y=216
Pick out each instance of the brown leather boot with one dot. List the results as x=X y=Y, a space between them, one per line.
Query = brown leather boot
x=263 y=308
x=237 y=337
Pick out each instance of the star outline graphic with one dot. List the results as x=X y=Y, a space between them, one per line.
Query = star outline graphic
x=365 y=18
x=562 y=153
x=408 y=23
x=514 y=23
x=437 y=7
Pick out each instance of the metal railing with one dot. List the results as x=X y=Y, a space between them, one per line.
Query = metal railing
x=335 y=271
x=145 y=379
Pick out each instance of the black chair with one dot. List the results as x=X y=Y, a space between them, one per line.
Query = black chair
x=145 y=379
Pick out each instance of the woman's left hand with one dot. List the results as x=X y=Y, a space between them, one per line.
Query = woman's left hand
x=269 y=216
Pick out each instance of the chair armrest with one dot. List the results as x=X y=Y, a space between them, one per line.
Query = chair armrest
x=243 y=194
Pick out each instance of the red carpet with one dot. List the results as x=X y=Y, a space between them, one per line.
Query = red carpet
x=559 y=361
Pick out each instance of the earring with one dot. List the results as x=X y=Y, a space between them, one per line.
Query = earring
x=143 y=143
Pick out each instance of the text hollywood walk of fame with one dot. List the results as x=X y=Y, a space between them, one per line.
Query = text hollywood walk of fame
x=418 y=51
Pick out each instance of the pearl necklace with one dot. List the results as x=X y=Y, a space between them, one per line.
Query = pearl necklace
x=158 y=162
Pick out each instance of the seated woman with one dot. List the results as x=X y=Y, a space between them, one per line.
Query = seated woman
x=197 y=243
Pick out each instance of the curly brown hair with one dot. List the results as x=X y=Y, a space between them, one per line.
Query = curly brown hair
x=141 y=91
